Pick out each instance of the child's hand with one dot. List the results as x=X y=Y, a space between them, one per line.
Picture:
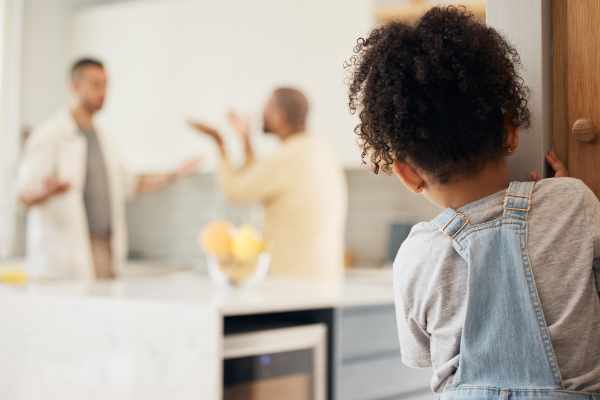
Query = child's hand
x=560 y=170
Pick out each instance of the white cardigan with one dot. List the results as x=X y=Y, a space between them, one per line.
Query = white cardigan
x=58 y=244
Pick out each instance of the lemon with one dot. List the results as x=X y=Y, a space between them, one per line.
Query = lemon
x=216 y=239
x=13 y=277
x=247 y=244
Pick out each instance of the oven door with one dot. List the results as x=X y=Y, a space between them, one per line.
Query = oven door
x=287 y=363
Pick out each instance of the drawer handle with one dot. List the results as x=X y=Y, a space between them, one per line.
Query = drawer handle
x=584 y=130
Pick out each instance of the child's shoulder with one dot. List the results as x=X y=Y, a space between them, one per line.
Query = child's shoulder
x=564 y=201
x=555 y=184
x=424 y=232
x=426 y=253
x=562 y=194
x=424 y=240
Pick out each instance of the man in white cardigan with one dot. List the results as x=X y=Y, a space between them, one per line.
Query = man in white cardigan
x=75 y=187
x=301 y=188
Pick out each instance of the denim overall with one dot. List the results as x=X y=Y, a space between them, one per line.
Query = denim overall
x=505 y=348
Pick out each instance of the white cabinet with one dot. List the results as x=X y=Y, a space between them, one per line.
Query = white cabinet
x=169 y=60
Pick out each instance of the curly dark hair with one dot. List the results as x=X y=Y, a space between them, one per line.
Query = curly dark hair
x=438 y=94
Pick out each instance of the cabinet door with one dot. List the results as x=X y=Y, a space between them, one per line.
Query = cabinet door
x=368 y=358
x=577 y=87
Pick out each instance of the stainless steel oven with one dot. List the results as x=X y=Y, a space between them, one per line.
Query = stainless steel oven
x=284 y=363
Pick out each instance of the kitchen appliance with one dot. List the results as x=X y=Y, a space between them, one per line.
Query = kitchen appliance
x=277 y=363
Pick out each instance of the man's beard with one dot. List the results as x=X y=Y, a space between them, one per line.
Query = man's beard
x=266 y=128
x=93 y=107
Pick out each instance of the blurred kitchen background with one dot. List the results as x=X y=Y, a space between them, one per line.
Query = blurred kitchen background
x=175 y=335
x=169 y=60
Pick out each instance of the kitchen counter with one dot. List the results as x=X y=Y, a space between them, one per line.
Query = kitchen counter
x=196 y=289
x=143 y=336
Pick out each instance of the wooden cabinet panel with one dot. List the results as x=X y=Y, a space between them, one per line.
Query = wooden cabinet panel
x=577 y=85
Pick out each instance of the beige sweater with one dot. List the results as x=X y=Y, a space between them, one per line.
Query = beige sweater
x=304 y=195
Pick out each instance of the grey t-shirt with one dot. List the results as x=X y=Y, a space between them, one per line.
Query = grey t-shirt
x=96 y=192
x=564 y=241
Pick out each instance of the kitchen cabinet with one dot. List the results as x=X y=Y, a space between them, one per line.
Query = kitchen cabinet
x=576 y=97
x=364 y=355
x=368 y=358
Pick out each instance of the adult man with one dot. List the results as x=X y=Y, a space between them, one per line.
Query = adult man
x=301 y=188
x=75 y=187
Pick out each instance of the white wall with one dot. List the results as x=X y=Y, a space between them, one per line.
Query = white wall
x=45 y=56
x=170 y=60
x=11 y=20
x=44 y=59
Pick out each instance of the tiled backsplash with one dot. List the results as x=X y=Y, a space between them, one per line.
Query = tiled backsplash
x=165 y=225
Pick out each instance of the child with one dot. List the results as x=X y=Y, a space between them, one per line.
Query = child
x=497 y=294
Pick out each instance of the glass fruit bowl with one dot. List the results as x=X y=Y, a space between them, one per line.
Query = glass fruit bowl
x=238 y=274
x=235 y=256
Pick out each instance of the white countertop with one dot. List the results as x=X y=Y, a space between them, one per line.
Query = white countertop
x=146 y=335
x=190 y=287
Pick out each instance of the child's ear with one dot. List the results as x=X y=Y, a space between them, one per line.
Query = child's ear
x=409 y=176
x=512 y=138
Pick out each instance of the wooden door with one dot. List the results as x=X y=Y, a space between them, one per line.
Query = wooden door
x=576 y=75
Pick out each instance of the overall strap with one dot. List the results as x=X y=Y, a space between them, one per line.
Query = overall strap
x=451 y=222
x=517 y=201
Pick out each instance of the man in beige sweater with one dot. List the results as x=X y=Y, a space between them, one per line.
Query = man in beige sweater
x=301 y=188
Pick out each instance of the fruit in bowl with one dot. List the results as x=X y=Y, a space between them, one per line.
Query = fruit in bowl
x=236 y=256
x=216 y=239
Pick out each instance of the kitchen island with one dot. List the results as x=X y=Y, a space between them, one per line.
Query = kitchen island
x=161 y=336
